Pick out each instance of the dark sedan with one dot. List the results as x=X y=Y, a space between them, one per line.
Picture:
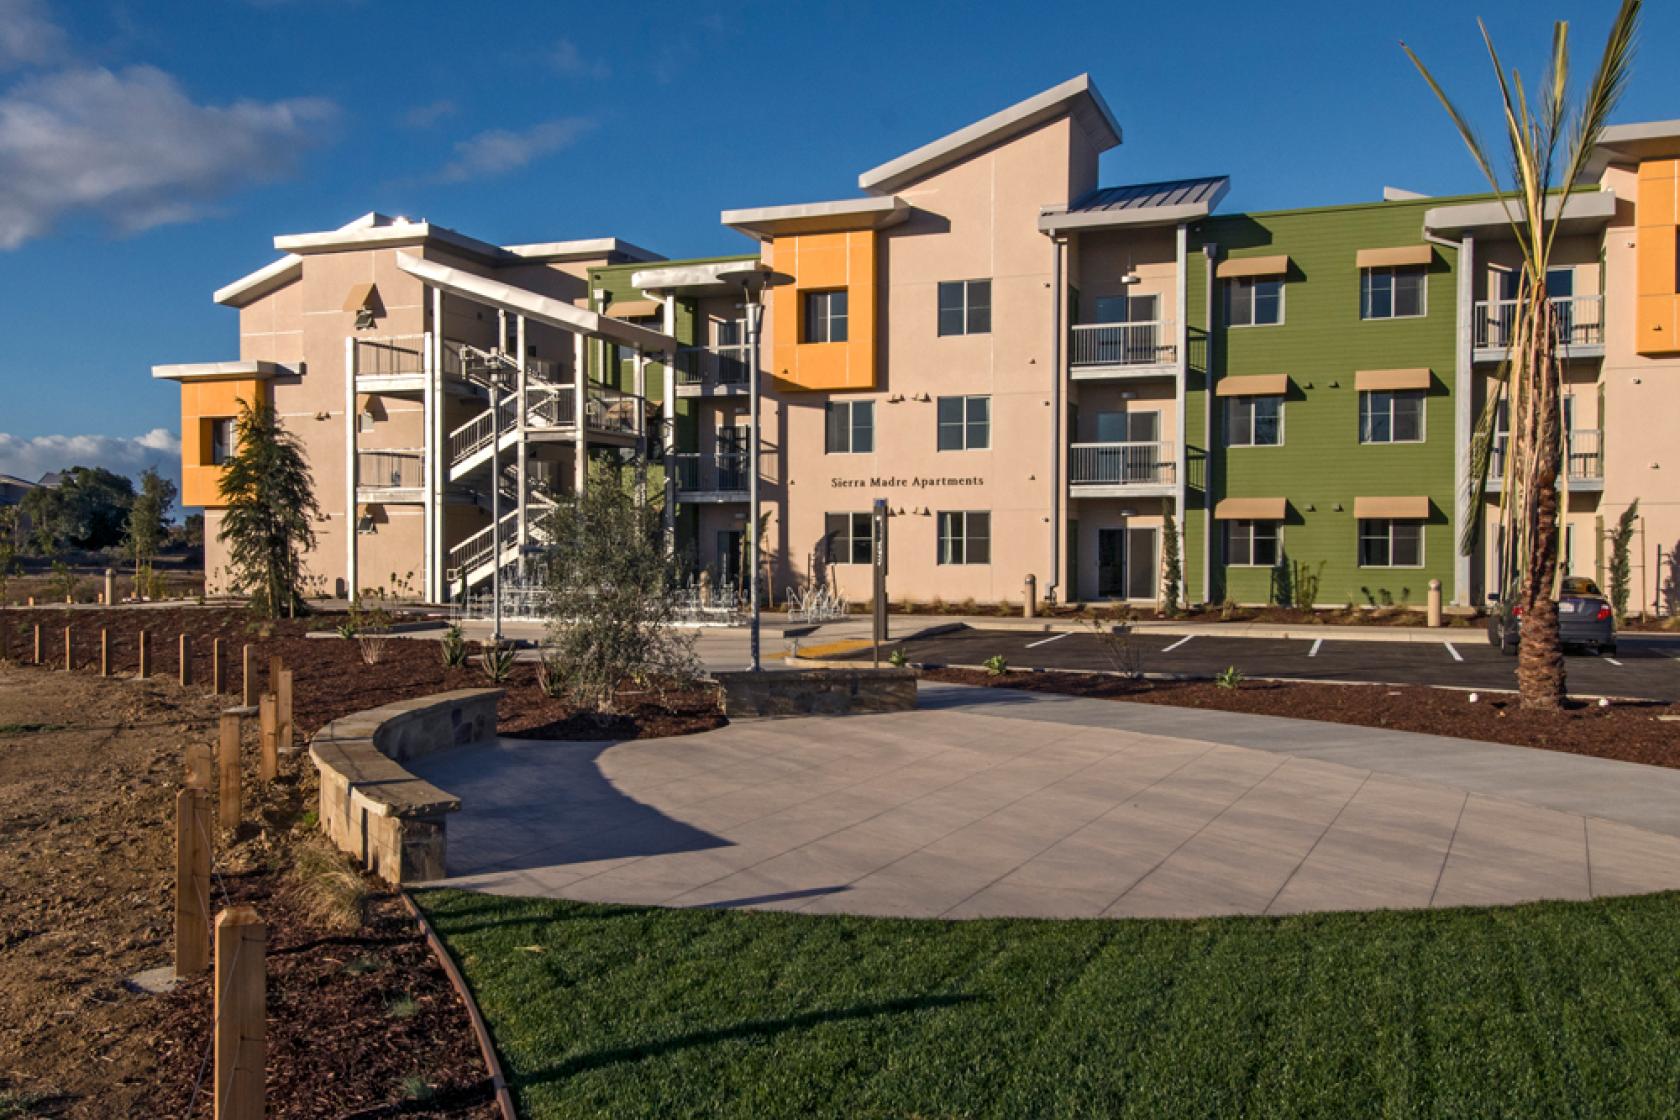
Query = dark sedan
x=1585 y=619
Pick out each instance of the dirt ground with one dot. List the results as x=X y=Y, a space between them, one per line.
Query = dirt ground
x=363 y=1023
x=1628 y=731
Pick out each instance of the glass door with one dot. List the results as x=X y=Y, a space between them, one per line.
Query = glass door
x=1111 y=563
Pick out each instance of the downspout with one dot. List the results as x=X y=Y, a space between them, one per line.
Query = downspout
x=1055 y=581
x=1210 y=252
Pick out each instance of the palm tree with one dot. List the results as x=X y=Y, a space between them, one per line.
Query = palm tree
x=1529 y=385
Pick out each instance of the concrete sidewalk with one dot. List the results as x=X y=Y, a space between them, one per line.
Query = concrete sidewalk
x=991 y=802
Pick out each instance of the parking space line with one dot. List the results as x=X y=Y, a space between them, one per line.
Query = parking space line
x=1047 y=641
x=1178 y=643
x=1614 y=662
x=1456 y=656
x=1313 y=652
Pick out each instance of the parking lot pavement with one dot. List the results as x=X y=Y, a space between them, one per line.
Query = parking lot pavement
x=1645 y=667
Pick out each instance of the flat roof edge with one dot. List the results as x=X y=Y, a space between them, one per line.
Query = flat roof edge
x=217 y=371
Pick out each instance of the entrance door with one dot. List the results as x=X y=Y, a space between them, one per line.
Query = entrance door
x=1141 y=563
x=729 y=556
x=1111 y=563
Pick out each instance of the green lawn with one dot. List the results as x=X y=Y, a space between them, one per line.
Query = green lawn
x=1556 y=1009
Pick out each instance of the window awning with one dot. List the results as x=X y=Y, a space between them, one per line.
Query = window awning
x=1397 y=256
x=1251 y=509
x=1406 y=509
x=634 y=308
x=1369 y=380
x=1254 y=385
x=1253 y=266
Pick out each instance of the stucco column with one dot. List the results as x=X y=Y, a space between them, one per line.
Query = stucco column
x=580 y=461
x=350 y=466
x=668 y=427
x=523 y=482
x=1464 y=418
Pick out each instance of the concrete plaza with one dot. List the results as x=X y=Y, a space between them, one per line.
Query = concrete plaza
x=992 y=802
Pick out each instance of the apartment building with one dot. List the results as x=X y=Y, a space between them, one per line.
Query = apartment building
x=1041 y=375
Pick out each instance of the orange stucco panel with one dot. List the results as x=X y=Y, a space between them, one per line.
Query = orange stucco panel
x=202 y=402
x=1657 y=216
x=818 y=262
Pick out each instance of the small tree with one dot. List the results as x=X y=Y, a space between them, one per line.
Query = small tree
x=1621 y=560
x=1172 y=565
x=611 y=596
x=146 y=528
x=8 y=547
x=270 y=501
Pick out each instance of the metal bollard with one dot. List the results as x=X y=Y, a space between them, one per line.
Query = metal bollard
x=1435 y=604
x=1029 y=598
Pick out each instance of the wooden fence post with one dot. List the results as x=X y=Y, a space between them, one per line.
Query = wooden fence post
x=240 y=1013
x=198 y=774
x=145 y=657
x=250 y=691
x=227 y=758
x=268 y=717
x=67 y=665
x=283 y=699
x=37 y=643
x=218 y=668
x=186 y=660
x=104 y=652
x=192 y=881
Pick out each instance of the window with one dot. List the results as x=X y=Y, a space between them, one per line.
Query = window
x=224 y=442
x=965 y=423
x=1253 y=421
x=1392 y=293
x=965 y=537
x=825 y=316
x=851 y=427
x=849 y=536
x=729 y=332
x=1254 y=301
x=965 y=307
x=1251 y=544
x=1391 y=417
x=1386 y=543
x=1126 y=309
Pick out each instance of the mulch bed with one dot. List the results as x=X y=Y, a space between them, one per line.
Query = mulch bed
x=330 y=679
x=359 y=1025
x=1627 y=731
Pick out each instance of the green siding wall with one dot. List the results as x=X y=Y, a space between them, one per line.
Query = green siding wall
x=1321 y=345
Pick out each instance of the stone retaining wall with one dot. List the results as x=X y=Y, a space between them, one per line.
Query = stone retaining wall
x=816 y=692
x=373 y=808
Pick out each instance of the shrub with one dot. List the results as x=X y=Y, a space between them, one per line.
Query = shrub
x=1125 y=656
x=1172 y=565
x=551 y=677
x=1303 y=583
x=495 y=660
x=1621 y=564
x=326 y=887
x=996 y=665
x=613 y=594
x=897 y=658
x=454 y=648
x=1229 y=677
x=370 y=624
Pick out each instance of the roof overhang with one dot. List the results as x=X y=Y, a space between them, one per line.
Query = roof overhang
x=586 y=249
x=520 y=301
x=1633 y=143
x=1582 y=212
x=398 y=234
x=253 y=286
x=767 y=222
x=1064 y=219
x=1077 y=96
x=219 y=371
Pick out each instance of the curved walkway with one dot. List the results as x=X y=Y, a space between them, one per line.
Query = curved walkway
x=991 y=802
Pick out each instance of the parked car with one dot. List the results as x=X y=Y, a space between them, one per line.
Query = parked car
x=1585 y=619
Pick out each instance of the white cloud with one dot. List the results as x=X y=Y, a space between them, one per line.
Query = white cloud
x=500 y=150
x=132 y=147
x=28 y=36
x=568 y=60
x=425 y=116
x=31 y=457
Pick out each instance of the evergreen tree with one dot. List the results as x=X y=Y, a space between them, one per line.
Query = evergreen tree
x=1172 y=580
x=146 y=528
x=270 y=500
x=1621 y=560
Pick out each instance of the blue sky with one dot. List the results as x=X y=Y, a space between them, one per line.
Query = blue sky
x=150 y=151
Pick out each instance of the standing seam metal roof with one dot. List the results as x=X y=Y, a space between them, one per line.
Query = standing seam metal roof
x=1140 y=196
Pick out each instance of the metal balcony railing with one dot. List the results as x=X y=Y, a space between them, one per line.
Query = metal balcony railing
x=1121 y=464
x=479 y=548
x=1122 y=344
x=388 y=355
x=1580 y=321
x=698 y=473
x=712 y=366
x=390 y=470
x=1583 y=456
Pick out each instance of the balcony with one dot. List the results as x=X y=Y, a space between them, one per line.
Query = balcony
x=1583 y=458
x=720 y=477
x=713 y=371
x=389 y=363
x=1110 y=350
x=1108 y=470
x=1580 y=322
x=390 y=476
